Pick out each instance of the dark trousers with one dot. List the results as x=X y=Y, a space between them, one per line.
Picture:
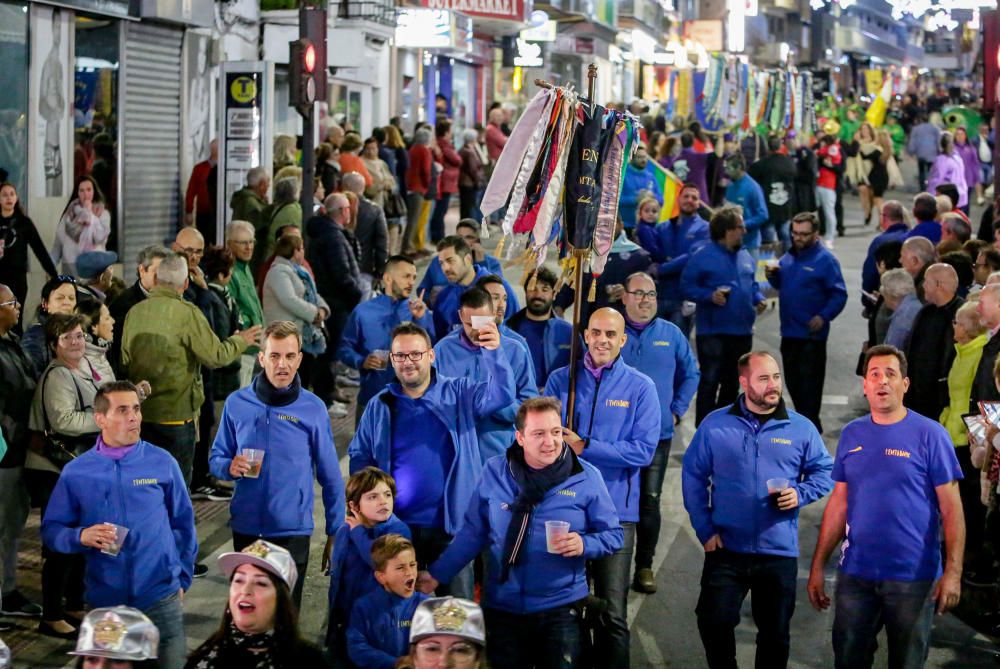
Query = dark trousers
x=323 y=377
x=467 y=201
x=838 y=210
x=437 y=218
x=62 y=573
x=206 y=421
x=651 y=486
x=429 y=543
x=717 y=358
x=804 y=366
x=923 y=171
x=725 y=581
x=298 y=546
x=672 y=310
x=544 y=640
x=611 y=582
x=178 y=440
x=975 y=512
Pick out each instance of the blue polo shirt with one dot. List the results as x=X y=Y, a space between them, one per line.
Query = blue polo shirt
x=893 y=519
x=422 y=454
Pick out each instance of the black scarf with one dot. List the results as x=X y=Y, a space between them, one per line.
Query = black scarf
x=271 y=396
x=533 y=483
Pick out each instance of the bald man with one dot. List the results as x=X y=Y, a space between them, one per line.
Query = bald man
x=615 y=427
x=191 y=244
x=931 y=349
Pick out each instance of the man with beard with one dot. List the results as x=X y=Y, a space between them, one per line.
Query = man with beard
x=677 y=239
x=365 y=342
x=748 y=469
x=456 y=259
x=548 y=336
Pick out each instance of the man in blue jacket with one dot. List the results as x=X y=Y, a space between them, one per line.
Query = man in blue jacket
x=459 y=355
x=370 y=326
x=434 y=279
x=658 y=349
x=139 y=487
x=925 y=214
x=749 y=531
x=535 y=579
x=422 y=430
x=677 y=240
x=720 y=280
x=811 y=294
x=616 y=428
x=747 y=193
x=894 y=228
x=548 y=336
x=455 y=257
x=276 y=415
x=639 y=177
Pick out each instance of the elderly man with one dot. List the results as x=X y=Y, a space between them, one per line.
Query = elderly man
x=191 y=244
x=894 y=228
x=955 y=229
x=240 y=240
x=371 y=232
x=917 y=255
x=147 y=262
x=901 y=299
x=249 y=202
x=334 y=135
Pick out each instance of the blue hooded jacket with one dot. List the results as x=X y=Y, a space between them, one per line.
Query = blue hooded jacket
x=634 y=182
x=618 y=417
x=732 y=460
x=351 y=569
x=446 y=306
x=662 y=352
x=143 y=491
x=458 y=404
x=676 y=241
x=809 y=283
x=379 y=632
x=541 y=580
x=457 y=358
x=296 y=440
x=555 y=343
x=870 y=279
x=748 y=194
x=369 y=328
x=434 y=276
x=714 y=266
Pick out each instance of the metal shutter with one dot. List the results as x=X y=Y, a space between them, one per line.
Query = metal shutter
x=152 y=136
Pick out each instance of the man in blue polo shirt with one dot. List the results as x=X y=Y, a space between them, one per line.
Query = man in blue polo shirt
x=658 y=349
x=616 y=427
x=422 y=430
x=548 y=336
x=751 y=535
x=677 y=239
x=896 y=487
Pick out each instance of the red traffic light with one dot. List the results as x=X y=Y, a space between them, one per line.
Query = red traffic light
x=309 y=58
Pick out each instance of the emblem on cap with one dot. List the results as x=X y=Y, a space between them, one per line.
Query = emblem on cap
x=109 y=632
x=450 y=617
x=258 y=549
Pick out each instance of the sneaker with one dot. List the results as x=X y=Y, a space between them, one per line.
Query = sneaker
x=347 y=382
x=828 y=243
x=337 y=410
x=200 y=569
x=211 y=493
x=350 y=373
x=17 y=605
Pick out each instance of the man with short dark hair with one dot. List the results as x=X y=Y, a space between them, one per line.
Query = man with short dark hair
x=548 y=336
x=434 y=279
x=894 y=228
x=745 y=192
x=987 y=262
x=455 y=257
x=147 y=262
x=677 y=239
x=925 y=214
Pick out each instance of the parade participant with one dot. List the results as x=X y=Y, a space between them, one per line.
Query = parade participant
x=648 y=215
x=658 y=349
x=744 y=510
x=923 y=145
x=677 y=240
x=457 y=264
x=547 y=336
x=948 y=168
x=117 y=637
x=446 y=632
x=830 y=157
x=616 y=427
x=775 y=173
x=896 y=484
x=745 y=192
x=434 y=279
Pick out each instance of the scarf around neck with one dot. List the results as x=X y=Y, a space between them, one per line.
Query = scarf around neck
x=241 y=647
x=275 y=397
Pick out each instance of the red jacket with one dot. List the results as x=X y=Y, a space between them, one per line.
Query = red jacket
x=827 y=176
x=352 y=163
x=452 y=164
x=495 y=141
x=418 y=174
x=197 y=188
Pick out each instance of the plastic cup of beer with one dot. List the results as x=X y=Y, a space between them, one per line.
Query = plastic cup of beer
x=255 y=458
x=554 y=529
x=382 y=355
x=115 y=547
x=774 y=489
x=481 y=322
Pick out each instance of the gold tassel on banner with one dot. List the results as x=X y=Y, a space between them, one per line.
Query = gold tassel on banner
x=499 y=249
x=568 y=263
x=592 y=295
x=484 y=231
x=531 y=281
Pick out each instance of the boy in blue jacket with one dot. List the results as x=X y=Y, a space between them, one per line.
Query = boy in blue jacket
x=379 y=632
x=536 y=575
x=131 y=483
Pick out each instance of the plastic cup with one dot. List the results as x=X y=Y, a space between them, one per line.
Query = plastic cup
x=382 y=355
x=481 y=322
x=774 y=489
x=725 y=290
x=553 y=530
x=255 y=458
x=115 y=547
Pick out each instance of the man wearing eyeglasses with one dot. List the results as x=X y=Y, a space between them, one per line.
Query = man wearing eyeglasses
x=660 y=350
x=811 y=294
x=422 y=430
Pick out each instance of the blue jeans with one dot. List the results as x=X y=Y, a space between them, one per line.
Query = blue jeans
x=863 y=607
x=544 y=640
x=725 y=581
x=647 y=532
x=168 y=616
x=611 y=583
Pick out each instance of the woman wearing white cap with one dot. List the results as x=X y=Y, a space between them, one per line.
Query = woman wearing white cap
x=119 y=637
x=446 y=632
x=260 y=624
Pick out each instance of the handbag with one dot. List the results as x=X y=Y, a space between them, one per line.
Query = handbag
x=59 y=449
x=395 y=205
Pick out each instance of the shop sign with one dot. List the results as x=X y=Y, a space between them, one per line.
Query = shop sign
x=543 y=33
x=707 y=33
x=527 y=54
x=424 y=28
x=584 y=45
x=510 y=10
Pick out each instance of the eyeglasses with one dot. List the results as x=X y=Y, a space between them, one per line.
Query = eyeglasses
x=460 y=652
x=9 y=303
x=72 y=337
x=243 y=242
x=642 y=294
x=193 y=252
x=414 y=356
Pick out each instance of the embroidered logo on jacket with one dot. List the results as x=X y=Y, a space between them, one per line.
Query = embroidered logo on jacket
x=139 y=482
x=624 y=404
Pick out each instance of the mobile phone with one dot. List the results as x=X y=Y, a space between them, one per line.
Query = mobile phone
x=991 y=411
x=976 y=426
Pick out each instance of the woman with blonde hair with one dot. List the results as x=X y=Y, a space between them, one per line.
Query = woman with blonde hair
x=868 y=170
x=284 y=153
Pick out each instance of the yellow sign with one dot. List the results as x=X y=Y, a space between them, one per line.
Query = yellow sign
x=873 y=81
x=243 y=89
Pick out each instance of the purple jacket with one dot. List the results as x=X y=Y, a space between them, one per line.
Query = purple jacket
x=970 y=158
x=949 y=169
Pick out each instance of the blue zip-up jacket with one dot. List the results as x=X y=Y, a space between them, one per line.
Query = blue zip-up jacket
x=446 y=306
x=748 y=194
x=379 y=632
x=809 y=283
x=676 y=241
x=618 y=417
x=296 y=440
x=662 y=352
x=929 y=229
x=870 y=279
x=456 y=358
x=369 y=328
x=434 y=277
x=634 y=182
x=555 y=343
x=458 y=403
x=542 y=580
x=145 y=492
x=714 y=266
x=645 y=234
x=725 y=473
x=351 y=568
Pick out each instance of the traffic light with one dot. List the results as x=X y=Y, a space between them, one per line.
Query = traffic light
x=301 y=74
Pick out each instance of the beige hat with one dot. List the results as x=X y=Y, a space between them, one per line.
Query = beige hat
x=266 y=556
x=118 y=633
x=448 y=615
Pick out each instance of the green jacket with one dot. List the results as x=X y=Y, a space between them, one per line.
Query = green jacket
x=248 y=206
x=960 y=378
x=276 y=216
x=244 y=293
x=165 y=341
x=898 y=136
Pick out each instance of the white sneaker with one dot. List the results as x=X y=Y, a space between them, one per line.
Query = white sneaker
x=828 y=243
x=347 y=382
x=337 y=410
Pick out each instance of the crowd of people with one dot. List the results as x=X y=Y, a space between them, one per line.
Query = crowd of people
x=524 y=493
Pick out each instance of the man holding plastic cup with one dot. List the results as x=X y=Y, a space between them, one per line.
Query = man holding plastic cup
x=540 y=512
x=273 y=435
x=738 y=457
x=125 y=506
